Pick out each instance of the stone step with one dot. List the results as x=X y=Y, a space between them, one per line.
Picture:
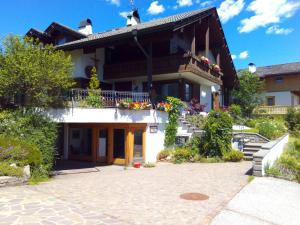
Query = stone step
x=253 y=144
x=248 y=158
x=251 y=149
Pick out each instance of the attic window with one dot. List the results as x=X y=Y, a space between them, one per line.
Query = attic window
x=279 y=80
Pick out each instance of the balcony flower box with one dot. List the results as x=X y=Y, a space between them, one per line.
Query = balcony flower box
x=134 y=105
x=164 y=107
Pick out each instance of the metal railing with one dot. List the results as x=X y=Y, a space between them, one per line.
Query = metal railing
x=274 y=110
x=108 y=98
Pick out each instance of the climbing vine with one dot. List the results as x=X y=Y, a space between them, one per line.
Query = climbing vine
x=171 y=127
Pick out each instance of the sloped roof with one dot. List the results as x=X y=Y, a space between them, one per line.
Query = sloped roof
x=151 y=25
x=54 y=25
x=279 y=69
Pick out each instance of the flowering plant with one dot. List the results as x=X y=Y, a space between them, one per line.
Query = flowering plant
x=134 y=105
x=164 y=107
x=195 y=107
x=204 y=60
x=216 y=68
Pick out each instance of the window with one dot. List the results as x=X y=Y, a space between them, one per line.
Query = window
x=279 y=80
x=81 y=141
x=270 y=100
x=170 y=89
x=187 y=92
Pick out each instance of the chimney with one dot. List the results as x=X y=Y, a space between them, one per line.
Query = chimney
x=133 y=18
x=85 y=27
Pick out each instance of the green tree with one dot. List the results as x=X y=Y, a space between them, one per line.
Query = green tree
x=33 y=74
x=248 y=93
x=218 y=134
x=94 y=98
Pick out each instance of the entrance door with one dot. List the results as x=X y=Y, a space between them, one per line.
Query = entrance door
x=102 y=148
x=119 y=146
x=138 y=153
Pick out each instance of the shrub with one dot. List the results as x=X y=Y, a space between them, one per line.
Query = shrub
x=13 y=150
x=251 y=123
x=218 y=134
x=235 y=110
x=292 y=118
x=233 y=156
x=271 y=129
x=171 y=127
x=182 y=155
x=7 y=170
x=196 y=120
x=194 y=144
x=35 y=129
x=164 y=154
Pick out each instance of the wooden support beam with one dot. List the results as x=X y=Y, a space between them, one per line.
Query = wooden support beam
x=207 y=41
x=149 y=68
x=218 y=58
x=193 y=46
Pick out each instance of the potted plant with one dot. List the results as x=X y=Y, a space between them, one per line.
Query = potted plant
x=164 y=107
x=204 y=60
x=216 y=68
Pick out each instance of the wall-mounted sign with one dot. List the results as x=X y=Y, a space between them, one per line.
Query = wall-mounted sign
x=153 y=129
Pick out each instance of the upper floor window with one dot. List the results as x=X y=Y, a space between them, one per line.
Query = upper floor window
x=279 y=80
x=61 y=41
x=270 y=100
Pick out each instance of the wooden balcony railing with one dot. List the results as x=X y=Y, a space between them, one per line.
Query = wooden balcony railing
x=274 y=110
x=162 y=65
x=77 y=97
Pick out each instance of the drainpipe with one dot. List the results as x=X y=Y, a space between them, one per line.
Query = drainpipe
x=148 y=56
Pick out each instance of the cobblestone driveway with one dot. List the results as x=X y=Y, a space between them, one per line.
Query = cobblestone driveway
x=118 y=196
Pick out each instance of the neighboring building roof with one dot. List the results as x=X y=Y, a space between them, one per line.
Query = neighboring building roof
x=146 y=26
x=279 y=69
x=55 y=25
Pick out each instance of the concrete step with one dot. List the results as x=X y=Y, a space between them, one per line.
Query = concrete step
x=253 y=145
x=248 y=158
x=251 y=149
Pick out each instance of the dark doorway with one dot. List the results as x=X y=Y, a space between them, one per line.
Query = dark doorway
x=119 y=143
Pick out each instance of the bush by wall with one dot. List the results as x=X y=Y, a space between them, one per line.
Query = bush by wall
x=233 y=156
x=271 y=129
x=218 y=134
x=171 y=127
x=35 y=129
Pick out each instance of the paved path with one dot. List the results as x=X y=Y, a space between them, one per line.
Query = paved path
x=132 y=197
x=265 y=201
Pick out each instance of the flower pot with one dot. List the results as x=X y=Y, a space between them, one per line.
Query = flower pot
x=137 y=165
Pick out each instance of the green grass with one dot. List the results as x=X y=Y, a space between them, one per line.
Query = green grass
x=250 y=178
x=35 y=180
x=149 y=165
x=7 y=170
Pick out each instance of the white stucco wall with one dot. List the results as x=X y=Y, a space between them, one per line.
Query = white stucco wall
x=154 y=142
x=205 y=96
x=273 y=152
x=109 y=115
x=281 y=97
x=81 y=60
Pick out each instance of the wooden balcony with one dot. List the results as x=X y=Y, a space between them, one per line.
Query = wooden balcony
x=162 y=65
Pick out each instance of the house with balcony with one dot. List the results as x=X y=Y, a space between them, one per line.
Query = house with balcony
x=184 y=56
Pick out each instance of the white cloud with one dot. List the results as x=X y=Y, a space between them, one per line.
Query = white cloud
x=155 y=8
x=229 y=9
x=244 y=55
x=233 y=57
x=183 y=3
x=124 y=14
x=206 y=3
x=278 y=30
x=268 y=12
x=114 y=2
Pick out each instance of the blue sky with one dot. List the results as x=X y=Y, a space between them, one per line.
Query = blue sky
x=264 y=32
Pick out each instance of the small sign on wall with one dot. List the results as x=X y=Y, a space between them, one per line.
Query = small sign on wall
x=153 y=129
